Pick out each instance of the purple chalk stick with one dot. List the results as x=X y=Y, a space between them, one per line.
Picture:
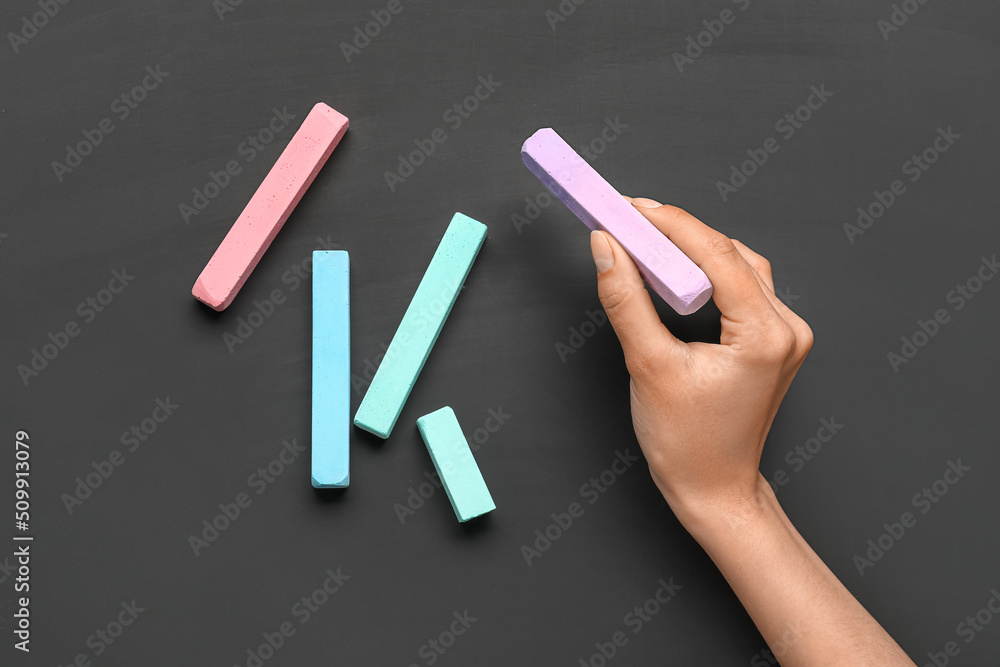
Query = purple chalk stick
x=666 y=269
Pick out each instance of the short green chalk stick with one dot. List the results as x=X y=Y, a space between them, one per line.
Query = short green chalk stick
x=422 y=322
x=455 y=464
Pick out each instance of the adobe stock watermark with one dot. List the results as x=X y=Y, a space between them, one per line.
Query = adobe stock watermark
x=7 y=570
x=590 y=491
x=968 y=629
x=580 y=334
x=104 y=637
x=786 y=296
x=428 y=316
x=131 y=440
x=435 y=647
x=417 y=496
x=899 y=17
x=562 y=12
x=248 y=149
x=613 y=128
x=696 y=44
x=770 y=656
x=635 y=621
x=360 y=383
x=31 y=24
x=223 y=7
x=22 y=615
x=914 y=168
x=88 y=309
x=786 y=127
x=454 y=116
x=798 y=457
x=923 y=501
x=364 y=34
x=122 y=108
x=259 y=481
x=294 y=277
x=300 y=613
x=958 y=298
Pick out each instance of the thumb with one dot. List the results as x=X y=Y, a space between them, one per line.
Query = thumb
x=644 y=339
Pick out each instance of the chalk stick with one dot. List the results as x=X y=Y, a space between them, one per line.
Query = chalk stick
x=331 y=369
x=421 y=324
x=671 y=274
x=269 y=207
x=456 y=466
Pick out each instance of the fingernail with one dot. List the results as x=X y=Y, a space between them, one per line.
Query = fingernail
x=642 y=202
x=604 y=258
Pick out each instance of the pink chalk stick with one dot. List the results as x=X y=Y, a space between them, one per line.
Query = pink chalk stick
x=270 y=206
x=671 y=274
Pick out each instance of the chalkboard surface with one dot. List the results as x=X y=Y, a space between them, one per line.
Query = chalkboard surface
x=853 y=143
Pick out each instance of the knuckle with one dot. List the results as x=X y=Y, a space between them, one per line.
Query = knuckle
x=616 y=298
x=640 y=365
x=779 y=344
x=721 y=245
x=644 y=360
x=804 y=338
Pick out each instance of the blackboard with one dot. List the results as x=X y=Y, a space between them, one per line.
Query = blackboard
x=852 y=143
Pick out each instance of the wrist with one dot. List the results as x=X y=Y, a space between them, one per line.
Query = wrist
x=710 y=520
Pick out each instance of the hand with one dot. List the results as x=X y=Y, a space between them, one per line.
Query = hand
x=701 y=411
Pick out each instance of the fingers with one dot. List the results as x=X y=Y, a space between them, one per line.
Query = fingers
x=742 y=279
x=737 y=293
x=762 y=267
x=757 y=262
x=647 y=344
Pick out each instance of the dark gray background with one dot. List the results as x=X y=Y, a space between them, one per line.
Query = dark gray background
x=608 y=60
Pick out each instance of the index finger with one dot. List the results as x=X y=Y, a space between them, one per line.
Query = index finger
x=736 y=290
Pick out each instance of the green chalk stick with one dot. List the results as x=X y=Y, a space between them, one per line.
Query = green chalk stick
x=422 y=322
x=455 y=464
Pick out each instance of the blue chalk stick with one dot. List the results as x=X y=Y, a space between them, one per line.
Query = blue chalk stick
x=421 y=325
x=455 y=464
x=331 y=370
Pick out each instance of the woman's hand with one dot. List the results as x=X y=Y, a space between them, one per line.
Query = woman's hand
x=702 y=411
